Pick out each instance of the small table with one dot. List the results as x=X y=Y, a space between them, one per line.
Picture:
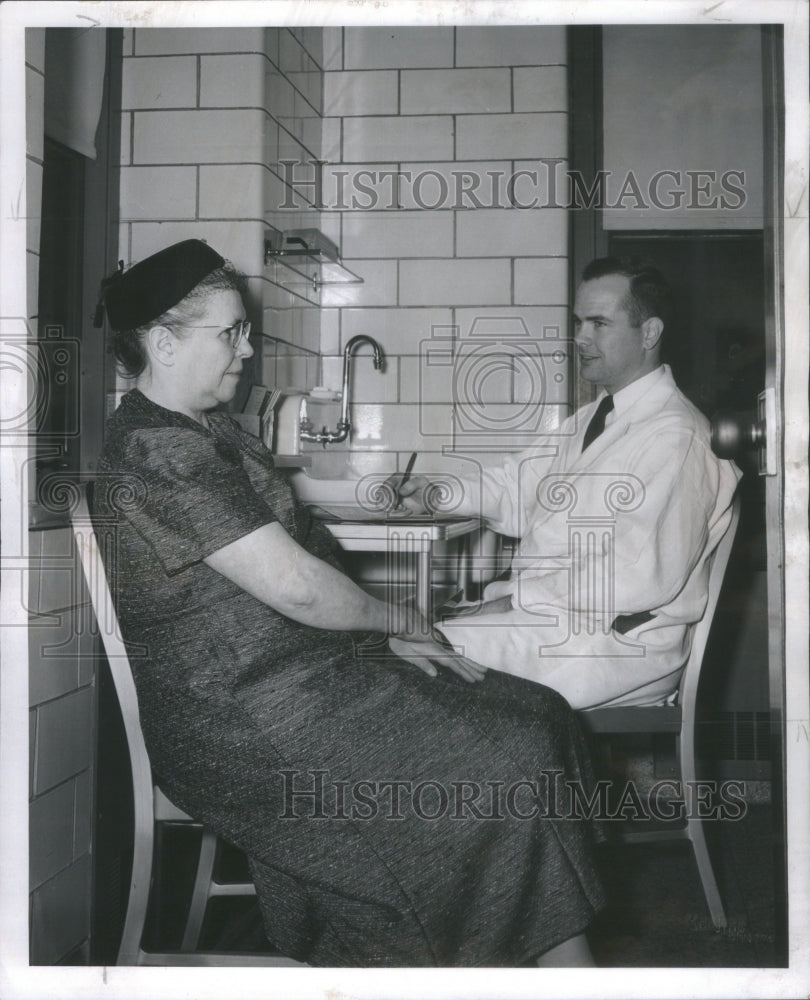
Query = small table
x=405 y=536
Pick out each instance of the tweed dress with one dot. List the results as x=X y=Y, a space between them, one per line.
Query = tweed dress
x=372 y=801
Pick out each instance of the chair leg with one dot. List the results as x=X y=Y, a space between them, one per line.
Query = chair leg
x=695 y=832
x=129 y=952
x=201 y=892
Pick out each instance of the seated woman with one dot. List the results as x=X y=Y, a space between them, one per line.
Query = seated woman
x=391 y=816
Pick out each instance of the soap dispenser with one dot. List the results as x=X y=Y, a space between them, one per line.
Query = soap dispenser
x=288 y=424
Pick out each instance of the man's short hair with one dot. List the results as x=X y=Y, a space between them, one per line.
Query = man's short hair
x=650 y=294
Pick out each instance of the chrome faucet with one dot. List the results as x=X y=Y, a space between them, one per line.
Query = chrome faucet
x=325 y=436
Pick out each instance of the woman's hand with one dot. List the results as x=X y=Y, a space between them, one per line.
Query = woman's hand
x=406 y=622
x=410 y=495
x=426 y=654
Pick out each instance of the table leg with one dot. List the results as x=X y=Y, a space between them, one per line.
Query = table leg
x=463 y=566
x=423 y=579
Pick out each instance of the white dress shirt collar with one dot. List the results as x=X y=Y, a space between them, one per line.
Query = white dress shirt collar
x=625 y=399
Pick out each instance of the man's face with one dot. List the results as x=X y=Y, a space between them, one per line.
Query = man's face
x=611 y=349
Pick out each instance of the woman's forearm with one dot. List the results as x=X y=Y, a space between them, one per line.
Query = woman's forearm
x=272 y=567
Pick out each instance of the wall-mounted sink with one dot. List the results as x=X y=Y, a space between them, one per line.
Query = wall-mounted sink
x=367 y=493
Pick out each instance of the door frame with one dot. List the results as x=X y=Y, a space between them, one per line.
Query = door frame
x=589 y=239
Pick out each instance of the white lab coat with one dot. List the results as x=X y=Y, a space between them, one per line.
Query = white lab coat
x=623 y=528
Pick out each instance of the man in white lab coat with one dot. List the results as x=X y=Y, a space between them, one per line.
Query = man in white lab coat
x=616 y=513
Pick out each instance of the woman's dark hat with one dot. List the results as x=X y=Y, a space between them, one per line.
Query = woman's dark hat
x=153 y=285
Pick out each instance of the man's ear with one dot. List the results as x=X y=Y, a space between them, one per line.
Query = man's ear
x=160 y=345
x=652 y=330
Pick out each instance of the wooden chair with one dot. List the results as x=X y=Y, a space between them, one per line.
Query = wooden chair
x=151 y=806
x=679 y=719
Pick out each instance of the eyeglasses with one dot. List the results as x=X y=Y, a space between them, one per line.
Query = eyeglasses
x=238 y=332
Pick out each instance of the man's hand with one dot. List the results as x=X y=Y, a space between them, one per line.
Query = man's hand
x=411 y=495
x=426 y=655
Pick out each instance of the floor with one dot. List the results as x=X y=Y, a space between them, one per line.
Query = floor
x=656 y=915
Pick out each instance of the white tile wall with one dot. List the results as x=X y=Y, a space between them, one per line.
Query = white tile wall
x=51 y=822
x=366 y=384
x=64 y=739
x=279 y=94
x=397 y=234
x=504 y=428
x=174 y=41
x=361 y=93
x=454 y=91
x=330 y=224
x=333 y=48
x=168 y=82
x=126 y=138
x=398 y=331
x=512 y=232
x=60 y=586
x=297 y=142
x=292 y=54
x=240 y=241
x=310 y=134
x=380 y=48
x=232 y=136
x=423 y=382
x=482 y=375
x=277 y=194
x=379 y=288
x=539 y=183
x=546 y=324
x=53 y=671
x=60 y=913
x=232 y=191
x=458 y=184
x=540 y=282
x=402 y=426
x=330 y=330
x=455 y=282
x=309 y=88
x=418 y=137
x=158 y=192
x=541 y=88
x=524 y=134
x=331 y=139
x=518 y=45
x=361 y=186
x=233 y=81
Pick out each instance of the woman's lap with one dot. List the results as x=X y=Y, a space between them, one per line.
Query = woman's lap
x=375 y=806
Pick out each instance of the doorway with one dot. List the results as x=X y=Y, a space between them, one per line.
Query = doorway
x=724 y=347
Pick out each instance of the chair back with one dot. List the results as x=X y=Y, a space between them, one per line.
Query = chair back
x=718 y=563
x=89 y=550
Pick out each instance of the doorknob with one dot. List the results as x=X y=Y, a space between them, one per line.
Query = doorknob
x=735 y=433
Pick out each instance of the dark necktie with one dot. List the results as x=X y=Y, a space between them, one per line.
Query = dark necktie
x=597 y=424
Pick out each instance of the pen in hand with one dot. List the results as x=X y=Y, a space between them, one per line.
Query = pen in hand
x=406 y=476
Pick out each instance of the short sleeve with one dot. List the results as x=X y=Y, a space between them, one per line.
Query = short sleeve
x=194 y=494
